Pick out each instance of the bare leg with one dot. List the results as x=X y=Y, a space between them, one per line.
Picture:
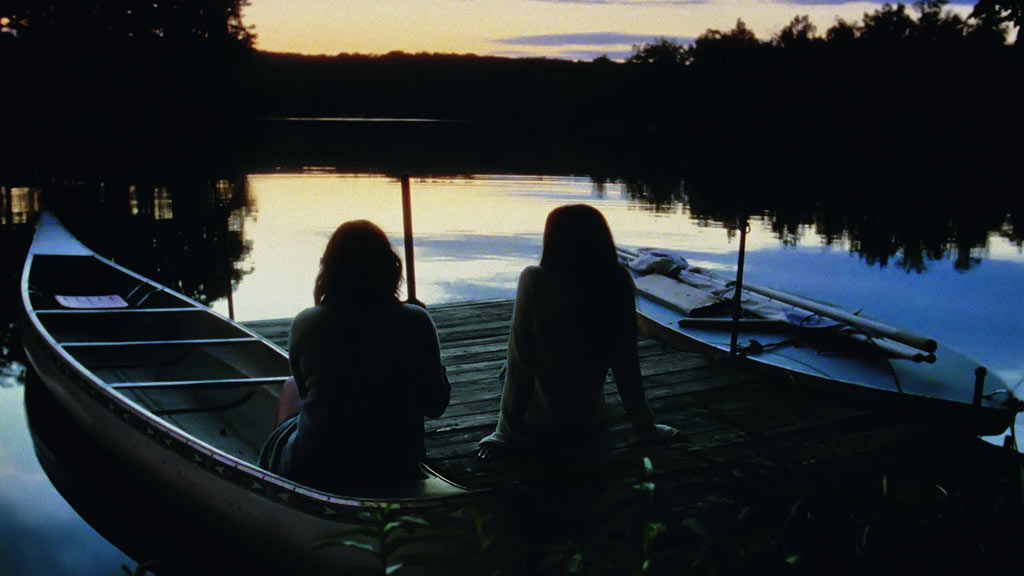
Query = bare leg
x=288 y=402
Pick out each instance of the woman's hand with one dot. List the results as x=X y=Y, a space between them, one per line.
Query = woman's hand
x=491 y=446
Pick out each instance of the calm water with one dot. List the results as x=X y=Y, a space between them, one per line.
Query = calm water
x=472 y=237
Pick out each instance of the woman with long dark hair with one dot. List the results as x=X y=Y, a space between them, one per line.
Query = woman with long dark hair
x=574 y=319
x=366 y=369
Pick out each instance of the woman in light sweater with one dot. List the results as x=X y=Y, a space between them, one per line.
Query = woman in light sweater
x=574 y=319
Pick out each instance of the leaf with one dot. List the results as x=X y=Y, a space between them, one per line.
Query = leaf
x=414 y=520
x=359 y=545
x=647 y=487
x=575 y=563
x=653 y=529
x=392 y=569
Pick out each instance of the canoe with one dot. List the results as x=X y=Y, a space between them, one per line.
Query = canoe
x=816 y=343
x=185 y=398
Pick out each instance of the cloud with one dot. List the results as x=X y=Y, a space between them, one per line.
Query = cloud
x=842 y=2
x=588 y=39
x=477 y=247
x=629 y=2
x=497 y=288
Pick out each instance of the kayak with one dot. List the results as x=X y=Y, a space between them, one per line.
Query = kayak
x=693 y=309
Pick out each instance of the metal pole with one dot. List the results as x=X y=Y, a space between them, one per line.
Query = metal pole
x=738 y=290
x=410 y=263
x=979 y=389
x=231 y=272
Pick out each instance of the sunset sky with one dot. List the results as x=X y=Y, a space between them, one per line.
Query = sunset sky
x=571 y=29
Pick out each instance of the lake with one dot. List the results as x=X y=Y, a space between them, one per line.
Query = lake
x=250 y=245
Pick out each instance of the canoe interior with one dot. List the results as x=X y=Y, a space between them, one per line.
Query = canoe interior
x=54 y=275
x=178 y=361
x=221 y=394
x=236 y=421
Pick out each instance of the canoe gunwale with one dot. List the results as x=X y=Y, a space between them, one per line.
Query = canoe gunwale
x=192 y=342
x=85 y=311
x=212 y=383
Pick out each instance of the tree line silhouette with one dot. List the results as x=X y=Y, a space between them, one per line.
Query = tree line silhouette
x=905 y=115
x=63 y=23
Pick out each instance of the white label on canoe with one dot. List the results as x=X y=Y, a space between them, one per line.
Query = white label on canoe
x=83 y=302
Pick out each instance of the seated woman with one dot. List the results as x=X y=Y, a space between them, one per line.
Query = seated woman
x=366 y=369
x=574 y=318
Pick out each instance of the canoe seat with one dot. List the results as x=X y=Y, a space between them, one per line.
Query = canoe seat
x=135 y=298
x=91 y=302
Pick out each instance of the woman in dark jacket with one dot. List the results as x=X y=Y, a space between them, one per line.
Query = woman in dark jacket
x=366 y=368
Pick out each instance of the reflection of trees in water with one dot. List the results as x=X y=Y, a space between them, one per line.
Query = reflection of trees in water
x=883 y=222
x=185 y=232
x=660 y=193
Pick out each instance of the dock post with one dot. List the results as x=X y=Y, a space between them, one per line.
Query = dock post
x=979 y=389
x=738 y=291
x=410 y=263
x=231 y=272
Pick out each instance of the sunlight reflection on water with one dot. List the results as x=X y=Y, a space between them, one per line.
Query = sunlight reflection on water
x=473 y=235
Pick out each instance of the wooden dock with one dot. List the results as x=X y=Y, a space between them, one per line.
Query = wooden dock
x=752 y=437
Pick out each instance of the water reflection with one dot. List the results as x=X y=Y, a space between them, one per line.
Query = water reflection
x=186 y=231
x=157 y=203
x=39 y=532
x=18 y=204
x=108 y=495
x=883 y=224
x=474 y=234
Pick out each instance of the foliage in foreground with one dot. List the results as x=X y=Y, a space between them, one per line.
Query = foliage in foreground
x=885 y=524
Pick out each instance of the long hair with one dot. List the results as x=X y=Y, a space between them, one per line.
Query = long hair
x=578 y=241
x=359 y=266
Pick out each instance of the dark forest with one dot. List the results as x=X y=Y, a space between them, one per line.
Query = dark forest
x=865 y=127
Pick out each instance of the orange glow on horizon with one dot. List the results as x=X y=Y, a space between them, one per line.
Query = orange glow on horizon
x=512 y=27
